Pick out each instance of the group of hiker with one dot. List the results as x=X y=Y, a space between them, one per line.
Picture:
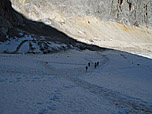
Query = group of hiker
x=89 y=64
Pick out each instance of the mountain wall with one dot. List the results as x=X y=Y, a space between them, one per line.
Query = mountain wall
x=128 y=12
x=118 y=24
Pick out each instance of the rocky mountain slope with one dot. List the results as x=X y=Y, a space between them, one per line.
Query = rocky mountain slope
x=20 y=33
x=117 y=24
x=129 y=12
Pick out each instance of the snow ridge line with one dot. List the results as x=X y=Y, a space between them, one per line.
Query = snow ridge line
x=129 y=104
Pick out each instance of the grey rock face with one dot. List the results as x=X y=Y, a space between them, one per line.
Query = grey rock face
x=128 y=12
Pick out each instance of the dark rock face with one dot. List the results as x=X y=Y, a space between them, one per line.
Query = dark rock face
x=8 y=18
x=9 y=13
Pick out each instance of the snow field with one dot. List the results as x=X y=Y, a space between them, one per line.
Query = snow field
x=58 y=83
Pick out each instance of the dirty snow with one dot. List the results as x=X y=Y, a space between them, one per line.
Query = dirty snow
x=11 y=44
x=58 y=83
x=29 y=44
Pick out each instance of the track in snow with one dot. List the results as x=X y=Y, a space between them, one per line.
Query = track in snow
x=129 y=104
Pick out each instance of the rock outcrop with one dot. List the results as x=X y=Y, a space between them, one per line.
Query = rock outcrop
x=8 y=18
x=9 y=13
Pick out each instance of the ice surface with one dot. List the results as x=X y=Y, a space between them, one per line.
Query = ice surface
x=59 y=83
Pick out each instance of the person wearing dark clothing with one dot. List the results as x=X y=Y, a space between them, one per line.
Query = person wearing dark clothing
x=95 y=65
x=86 y=68
x=89 y=64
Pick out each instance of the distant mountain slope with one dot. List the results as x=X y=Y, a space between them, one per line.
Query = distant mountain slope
x=16 y=31
x=118 y=24
x=129 y=12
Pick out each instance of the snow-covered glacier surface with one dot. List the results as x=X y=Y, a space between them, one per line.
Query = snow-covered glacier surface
x=59 y=83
